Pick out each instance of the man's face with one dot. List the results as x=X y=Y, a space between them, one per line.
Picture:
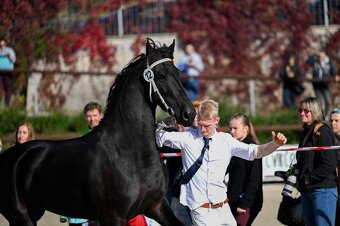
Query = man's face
x=207 y=127
x=93 y=117
x=335 y=122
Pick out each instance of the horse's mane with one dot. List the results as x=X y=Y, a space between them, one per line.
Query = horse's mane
x=163 y=49
x=132 y=64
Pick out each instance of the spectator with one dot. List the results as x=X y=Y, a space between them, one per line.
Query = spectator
x=174 y=167
x=24 y=133
x=317 y=169
x=7 y=60
x=245 y=177
x=93 y=114
x=335 y=125
x=290 y=72
x=191 y=65
x=323 y=69
x=203 y=189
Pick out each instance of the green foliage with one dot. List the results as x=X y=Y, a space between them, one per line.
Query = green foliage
x=56 y=123
x=60 y=123
x=9 y=120
x=282 y=117
x=226 y=111
x=266 y=136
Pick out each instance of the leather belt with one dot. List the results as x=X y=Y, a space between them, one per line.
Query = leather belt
x=214 y=206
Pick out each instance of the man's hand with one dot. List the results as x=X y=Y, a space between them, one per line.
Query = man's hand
x=240 y=210
x=279 y=138
x=167 y=123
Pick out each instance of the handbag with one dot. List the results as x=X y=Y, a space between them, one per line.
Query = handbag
x=290 y=211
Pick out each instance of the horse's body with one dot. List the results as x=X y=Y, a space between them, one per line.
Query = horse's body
x=112 y=173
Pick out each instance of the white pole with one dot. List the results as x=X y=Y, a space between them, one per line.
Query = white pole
x=325 y=13
x=120 y=22
x=252 y=98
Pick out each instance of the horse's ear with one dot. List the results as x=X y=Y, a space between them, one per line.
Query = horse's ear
x=149 y=48
x=171 y=48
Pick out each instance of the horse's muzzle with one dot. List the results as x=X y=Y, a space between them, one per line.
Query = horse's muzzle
x=187 y=117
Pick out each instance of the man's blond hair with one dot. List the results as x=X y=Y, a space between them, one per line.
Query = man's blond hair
x=208 y=110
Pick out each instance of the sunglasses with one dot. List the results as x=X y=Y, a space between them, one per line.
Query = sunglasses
x=306 y=111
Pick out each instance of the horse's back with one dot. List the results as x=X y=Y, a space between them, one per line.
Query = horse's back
x=40 y=172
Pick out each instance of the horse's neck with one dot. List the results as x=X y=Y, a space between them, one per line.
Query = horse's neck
x=128 y=110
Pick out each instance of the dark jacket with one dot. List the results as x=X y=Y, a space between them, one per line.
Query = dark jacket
x=290 y=83
x=320 y=72
x=316 y=168
x=245 y=181
x=337 y=140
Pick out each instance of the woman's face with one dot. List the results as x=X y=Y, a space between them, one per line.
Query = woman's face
x=22 y=134
x=305 y=115
x=335 y=122
x=237 y=129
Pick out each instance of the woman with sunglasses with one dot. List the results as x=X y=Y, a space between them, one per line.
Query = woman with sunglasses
x=317 y=169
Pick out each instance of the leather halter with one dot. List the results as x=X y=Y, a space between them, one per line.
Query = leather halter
x=149 y=77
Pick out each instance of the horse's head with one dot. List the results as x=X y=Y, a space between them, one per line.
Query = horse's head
x=165 y=88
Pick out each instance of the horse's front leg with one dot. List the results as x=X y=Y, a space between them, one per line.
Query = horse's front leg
x=163 y=214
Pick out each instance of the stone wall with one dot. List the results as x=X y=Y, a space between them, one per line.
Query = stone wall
x=69 y=92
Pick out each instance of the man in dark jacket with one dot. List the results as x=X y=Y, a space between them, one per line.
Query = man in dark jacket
x=323 y=70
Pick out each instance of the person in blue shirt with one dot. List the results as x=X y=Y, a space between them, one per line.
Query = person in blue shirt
x=191 y=65
x=7 y=60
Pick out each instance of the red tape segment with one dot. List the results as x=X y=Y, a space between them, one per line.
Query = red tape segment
x=164 y=155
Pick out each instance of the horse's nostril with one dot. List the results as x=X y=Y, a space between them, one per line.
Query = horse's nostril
x=188 y=117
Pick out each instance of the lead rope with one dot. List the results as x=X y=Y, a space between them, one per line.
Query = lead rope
x=149 y=77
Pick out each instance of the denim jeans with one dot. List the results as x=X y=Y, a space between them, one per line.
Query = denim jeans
x=318 y=206
x=289 y=97
x=192 y=87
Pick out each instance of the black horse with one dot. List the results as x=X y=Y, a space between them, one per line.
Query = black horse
x=114 y=172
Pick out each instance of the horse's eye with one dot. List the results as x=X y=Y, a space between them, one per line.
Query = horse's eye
x=161 y=77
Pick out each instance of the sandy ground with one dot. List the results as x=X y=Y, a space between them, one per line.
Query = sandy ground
x=267 y=217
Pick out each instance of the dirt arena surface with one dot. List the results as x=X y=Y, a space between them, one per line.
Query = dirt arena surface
x=267 y=217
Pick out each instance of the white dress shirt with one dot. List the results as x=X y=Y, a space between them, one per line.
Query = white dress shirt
x=207 y=185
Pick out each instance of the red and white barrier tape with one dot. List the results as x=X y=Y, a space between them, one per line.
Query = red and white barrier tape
x=164 y=155
x=321 y=148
